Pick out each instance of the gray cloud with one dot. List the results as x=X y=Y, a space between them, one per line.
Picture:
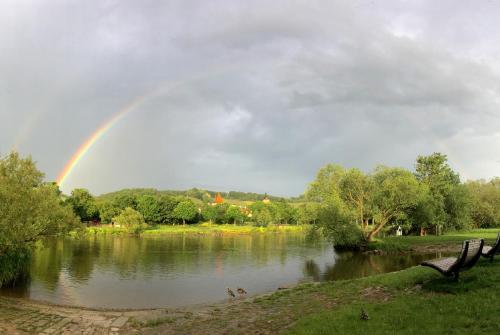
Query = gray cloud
x=249 y=95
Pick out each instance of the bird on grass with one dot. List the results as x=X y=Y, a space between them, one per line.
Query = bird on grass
x=364 y=315
x=230 y=293
x=241 y=291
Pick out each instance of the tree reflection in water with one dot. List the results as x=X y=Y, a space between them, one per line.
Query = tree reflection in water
x=176 y=270
x=349 y=265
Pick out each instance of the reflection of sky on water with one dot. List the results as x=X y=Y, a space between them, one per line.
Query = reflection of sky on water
x=130 y=272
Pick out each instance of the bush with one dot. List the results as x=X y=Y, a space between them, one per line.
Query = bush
x=132 y=220
x=14 y=265
x=340 y=228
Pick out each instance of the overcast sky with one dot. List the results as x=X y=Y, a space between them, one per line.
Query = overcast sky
x=251 y=96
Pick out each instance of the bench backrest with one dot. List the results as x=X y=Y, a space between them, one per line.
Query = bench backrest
x=471 y=252
x=496 y=246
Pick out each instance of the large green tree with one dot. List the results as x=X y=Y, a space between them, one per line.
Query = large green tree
x=29 y=209
x=356 y=189
x=308 y=213
x=209 y=212
x=234 y=215
x=395 y=192
x=149 y=207
x=325 y=188
x=83 y=204
x=185 y=211
x=485 y=202
x=167 y=206
x=450 y=201
x=108 y=210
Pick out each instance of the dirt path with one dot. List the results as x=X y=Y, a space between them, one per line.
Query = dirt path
x=237 y=316
x=19 y=316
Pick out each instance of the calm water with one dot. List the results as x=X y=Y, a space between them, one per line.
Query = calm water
x=176 y=270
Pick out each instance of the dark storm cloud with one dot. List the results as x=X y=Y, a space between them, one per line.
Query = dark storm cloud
x=250 y=95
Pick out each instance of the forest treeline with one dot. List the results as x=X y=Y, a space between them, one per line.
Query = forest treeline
x=196 y=193
x=157 y=207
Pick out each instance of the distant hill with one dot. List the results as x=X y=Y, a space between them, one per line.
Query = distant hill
x=196 y=193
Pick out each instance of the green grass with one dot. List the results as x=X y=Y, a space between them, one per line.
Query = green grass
x=406 y=243
x=200 y=229
x=419 y=301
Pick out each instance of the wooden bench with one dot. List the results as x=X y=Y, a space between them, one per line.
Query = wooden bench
x=451 y=266
x=489 y=252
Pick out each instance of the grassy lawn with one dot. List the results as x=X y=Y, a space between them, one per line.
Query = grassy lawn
x=414 y=301
x=201 y=229
x=407 y=243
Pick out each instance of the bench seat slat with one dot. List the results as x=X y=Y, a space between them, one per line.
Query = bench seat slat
x=444 y=264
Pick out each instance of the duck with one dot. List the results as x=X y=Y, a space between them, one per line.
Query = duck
x=241 y=291
x=230 y=293
x=364 y=315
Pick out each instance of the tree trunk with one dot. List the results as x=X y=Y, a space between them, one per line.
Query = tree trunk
x=375 y=231
x=183 y=222
x=361 y=215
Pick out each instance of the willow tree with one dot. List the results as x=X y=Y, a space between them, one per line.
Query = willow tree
x=348 y=198
x=395 y=191
x=356 y=189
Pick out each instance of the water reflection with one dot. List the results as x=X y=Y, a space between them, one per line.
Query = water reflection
x=159 y=271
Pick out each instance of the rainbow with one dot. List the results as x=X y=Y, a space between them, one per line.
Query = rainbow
x=94 y=137
x=106 y=126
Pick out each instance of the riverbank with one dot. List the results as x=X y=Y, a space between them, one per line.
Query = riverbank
x=200 y=229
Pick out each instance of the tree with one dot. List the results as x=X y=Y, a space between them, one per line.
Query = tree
x=131 y=219
x=449 y=200
x=167 y=205
x=339 y=226
x=434 y=171
x=263 y=214
x=125 y=200
x=355 y=189
x=325 y=187
x=83 y=204
x=458 y=208
x=186 y=211
x=263 y=217
x=284 y=213
x=149 y=207
x=234 y=214
x=221 y=210
x=29 y=210
x=485 y=202
x=107 y=211
x=308 y=213
x=395 y=192
x=209 y=213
